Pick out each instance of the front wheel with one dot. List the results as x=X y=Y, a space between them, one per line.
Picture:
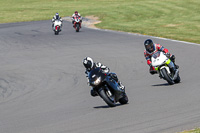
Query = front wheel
x=166 y=76
x=77 y=27
x=56 y=32
x=106 y=98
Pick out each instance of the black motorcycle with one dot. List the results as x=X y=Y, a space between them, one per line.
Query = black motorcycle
x=107 y=88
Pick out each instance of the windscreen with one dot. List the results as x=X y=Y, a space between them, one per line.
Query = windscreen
x=156 y=55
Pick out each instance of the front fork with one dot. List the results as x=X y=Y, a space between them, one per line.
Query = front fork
x=171 y=65
x=75 y=25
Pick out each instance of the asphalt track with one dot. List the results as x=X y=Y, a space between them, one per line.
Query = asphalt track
x=43 y=88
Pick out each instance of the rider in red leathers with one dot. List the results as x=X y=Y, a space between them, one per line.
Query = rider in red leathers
x=75 y=15
x=151 y=48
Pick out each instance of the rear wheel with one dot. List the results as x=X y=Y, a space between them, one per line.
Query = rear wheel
x=108 y=99
x=166 y=76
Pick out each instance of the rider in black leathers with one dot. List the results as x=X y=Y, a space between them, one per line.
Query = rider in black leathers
x=89 y=65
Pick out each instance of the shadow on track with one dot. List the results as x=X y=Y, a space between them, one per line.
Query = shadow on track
x=106 y=106
x=165 y=84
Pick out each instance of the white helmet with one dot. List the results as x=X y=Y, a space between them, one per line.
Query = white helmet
x=88 y=63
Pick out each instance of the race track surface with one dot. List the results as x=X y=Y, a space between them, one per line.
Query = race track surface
x=43 y=88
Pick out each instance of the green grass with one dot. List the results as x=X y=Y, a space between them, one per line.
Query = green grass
x=192 y=131
x=174 y=19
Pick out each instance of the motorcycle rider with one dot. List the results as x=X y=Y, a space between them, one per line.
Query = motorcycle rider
x=89 y=65
x=76 y=14
x=56 y=17
x=151 y=48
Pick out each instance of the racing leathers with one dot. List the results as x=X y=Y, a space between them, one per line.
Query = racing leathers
x=158 y=47
x=74 y=16
x=104 y=69
x=55 y=18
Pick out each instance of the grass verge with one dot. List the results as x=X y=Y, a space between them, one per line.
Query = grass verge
x=197 y=130
x=174 y=19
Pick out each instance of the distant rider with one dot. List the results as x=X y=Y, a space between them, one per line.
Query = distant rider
x=56 y=17
x=151 y=48
x=76 y=14
x=89 y=65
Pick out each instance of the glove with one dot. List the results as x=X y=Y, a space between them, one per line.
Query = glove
x=149 y=62
x=114 y=76
x=168 y=55
x=172 y=58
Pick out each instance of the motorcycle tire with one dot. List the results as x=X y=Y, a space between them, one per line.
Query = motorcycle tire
x=56 y=32
x=166 y=76
x=124 y=99
x=77 y=28
x=105 y=97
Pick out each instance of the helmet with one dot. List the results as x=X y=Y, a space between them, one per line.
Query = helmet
x=149 y=46
x=76 y=12
x=88 y=63
x=57 y=16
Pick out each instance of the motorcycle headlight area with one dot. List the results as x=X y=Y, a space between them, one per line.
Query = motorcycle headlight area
x=97 y=81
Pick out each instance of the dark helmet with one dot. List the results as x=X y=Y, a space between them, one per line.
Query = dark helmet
x=57 y=16
x=88 y=63
x=149 y=45
x=76 y=12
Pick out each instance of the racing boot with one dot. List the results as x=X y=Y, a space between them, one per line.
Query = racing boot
x=176 y=66
x=93 y=93
x=152 y=70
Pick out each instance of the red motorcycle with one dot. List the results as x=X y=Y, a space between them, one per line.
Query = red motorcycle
x=77 y=23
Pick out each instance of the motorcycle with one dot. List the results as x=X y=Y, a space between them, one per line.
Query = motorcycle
x=161 y=63
x=77 y=23
x=106 y=87
x=57 y=26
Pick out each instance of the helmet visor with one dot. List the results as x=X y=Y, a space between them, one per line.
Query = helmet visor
x=88 y=65
x=149 y=47
x=57 y=17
